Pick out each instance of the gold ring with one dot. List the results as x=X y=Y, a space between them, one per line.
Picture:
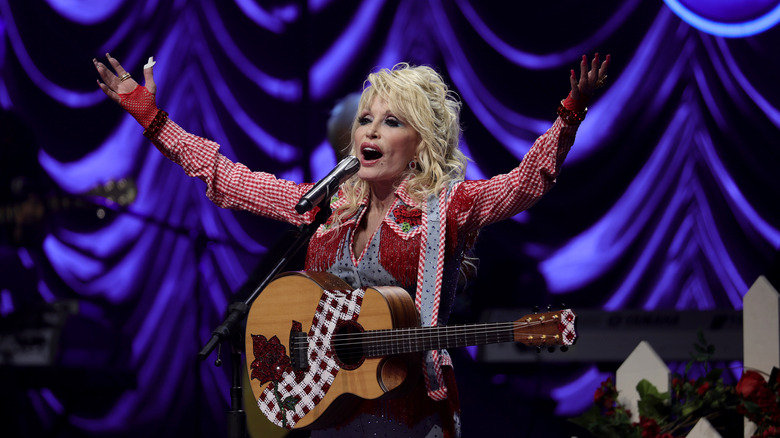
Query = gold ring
x=124 y=77
x=600 y=82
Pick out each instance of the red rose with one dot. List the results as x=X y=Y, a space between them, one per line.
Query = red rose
x=650 y=428
x=605 y=394
x=753 y=387
x=766 y=400
x=771 y=431
x=748 y=384
x=270 y=359
x=701 y=390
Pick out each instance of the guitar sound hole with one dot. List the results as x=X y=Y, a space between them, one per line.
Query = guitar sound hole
x=347 y=345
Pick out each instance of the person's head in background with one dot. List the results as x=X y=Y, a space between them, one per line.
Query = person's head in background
x=340 y=124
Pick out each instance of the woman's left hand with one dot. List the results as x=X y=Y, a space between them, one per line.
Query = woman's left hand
x=590 y=80
x=115 y=85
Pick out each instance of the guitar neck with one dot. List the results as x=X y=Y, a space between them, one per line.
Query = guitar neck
x=540 y=329
x=378 y=343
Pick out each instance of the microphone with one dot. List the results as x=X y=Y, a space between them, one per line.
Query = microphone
x=328 y=186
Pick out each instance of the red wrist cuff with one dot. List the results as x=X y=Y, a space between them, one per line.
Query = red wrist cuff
x=572 y=104
x=140 y=103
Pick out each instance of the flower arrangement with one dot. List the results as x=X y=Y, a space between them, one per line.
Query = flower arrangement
x=673 y=414
x=759 y=402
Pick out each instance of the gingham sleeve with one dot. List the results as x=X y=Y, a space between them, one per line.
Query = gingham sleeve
x=229 y=184
x=481 y=202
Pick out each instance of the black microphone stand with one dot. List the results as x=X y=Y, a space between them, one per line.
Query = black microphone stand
x=237 y=312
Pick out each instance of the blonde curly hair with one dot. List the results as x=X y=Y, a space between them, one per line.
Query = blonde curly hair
x=419 y=96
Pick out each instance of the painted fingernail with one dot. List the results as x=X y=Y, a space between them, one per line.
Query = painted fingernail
x=584 y=58
x=572 y=72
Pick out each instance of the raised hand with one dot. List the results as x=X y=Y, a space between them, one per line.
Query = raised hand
x=590 y=80
x=121 y=82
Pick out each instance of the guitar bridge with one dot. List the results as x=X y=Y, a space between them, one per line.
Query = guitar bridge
x=299 y=348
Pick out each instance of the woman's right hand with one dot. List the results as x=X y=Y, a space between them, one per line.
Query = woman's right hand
x=116 y=84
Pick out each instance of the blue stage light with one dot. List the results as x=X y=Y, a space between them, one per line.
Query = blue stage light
x=728 y=18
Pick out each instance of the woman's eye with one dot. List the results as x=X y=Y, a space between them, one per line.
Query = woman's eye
x=363 y=121
x=393 y=122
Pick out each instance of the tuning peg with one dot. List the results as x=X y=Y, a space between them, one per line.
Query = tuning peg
x=562 y=306
x=549 y=307
x=538 y=348
x=535 y=309
x=564 y=348
x=551 y=349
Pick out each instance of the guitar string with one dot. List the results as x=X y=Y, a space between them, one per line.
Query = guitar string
x=403 y=332
x=347 y=340
x=438 y=330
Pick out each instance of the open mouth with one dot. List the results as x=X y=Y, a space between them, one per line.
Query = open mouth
x=370 y=153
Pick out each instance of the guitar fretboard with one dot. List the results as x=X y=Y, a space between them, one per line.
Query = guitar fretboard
x=377 y=343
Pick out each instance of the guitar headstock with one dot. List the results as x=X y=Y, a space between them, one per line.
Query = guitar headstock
x=546 y=329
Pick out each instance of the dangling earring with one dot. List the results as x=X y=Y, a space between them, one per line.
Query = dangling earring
x=412 y=165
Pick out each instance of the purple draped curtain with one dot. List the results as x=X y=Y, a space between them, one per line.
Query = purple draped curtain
x=668 y=200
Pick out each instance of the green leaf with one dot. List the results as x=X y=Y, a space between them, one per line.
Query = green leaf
x=652 y=403
x=290 y=402
x=691 y=407
x=751 y=407
x=647 y=389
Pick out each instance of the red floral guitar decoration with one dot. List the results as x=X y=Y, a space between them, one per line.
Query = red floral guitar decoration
x=271 y=361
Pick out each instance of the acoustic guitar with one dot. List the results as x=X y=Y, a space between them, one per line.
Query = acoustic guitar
x=315 y=348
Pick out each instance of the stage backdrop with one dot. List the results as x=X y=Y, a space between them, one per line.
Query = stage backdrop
x=668 y=200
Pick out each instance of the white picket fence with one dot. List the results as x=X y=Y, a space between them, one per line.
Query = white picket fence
x=761 y=340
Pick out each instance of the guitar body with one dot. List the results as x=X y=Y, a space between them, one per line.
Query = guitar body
x=294 y=296
x=364 y=345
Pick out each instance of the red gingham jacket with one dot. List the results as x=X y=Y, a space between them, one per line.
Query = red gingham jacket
x=473 y=203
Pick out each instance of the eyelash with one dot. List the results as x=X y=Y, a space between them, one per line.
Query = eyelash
x=392 y=122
